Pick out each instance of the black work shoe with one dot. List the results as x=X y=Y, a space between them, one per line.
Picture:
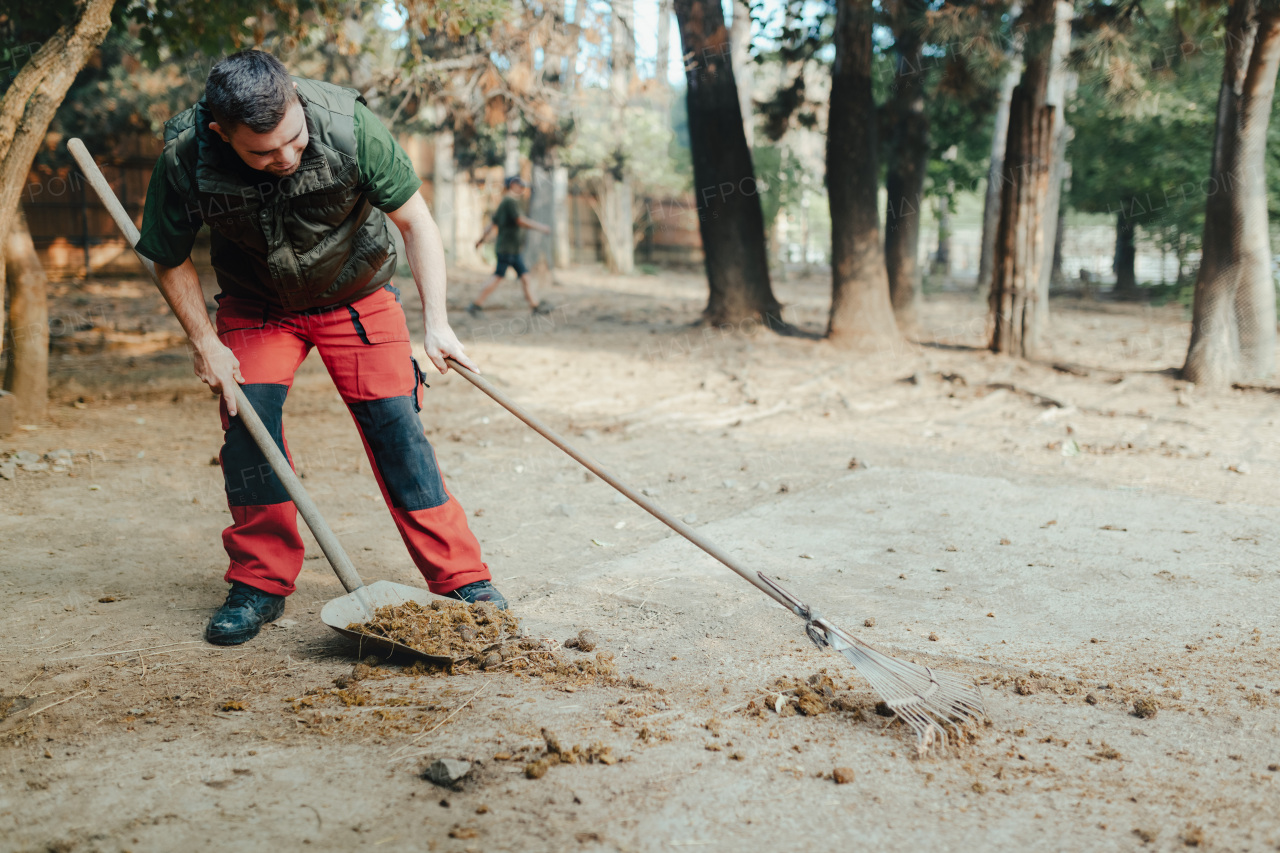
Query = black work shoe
x=543 y=307
x=475 y=310
x=246 y=610
x=479 y=591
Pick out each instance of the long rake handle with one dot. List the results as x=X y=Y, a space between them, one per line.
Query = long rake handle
x=333 y=550
x=594 y=467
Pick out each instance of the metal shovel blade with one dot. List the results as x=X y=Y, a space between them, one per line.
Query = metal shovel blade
x=359 y=606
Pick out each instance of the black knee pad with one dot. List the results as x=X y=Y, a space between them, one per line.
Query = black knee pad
x=401 y=452
x=245 y=471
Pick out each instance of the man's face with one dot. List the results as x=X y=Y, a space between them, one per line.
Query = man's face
x=278 y=151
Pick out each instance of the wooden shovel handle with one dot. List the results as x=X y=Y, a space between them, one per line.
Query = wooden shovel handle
x=342 y=565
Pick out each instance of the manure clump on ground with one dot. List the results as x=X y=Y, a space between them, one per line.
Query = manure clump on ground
x=596 y=753
x=807 y=697
x=444 y=628
x=479 y=636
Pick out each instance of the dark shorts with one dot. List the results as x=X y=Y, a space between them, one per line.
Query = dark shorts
x=514 y=261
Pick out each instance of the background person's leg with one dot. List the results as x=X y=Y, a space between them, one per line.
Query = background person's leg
x=498 y=273
x=528 y=292
x=485 y=293
x=517 y=263
x=263 y=544
x=368 y=355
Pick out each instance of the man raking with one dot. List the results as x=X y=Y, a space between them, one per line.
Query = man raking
x=296 y=180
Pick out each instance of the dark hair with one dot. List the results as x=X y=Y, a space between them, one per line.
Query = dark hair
x=252 y=88
x=513 y=180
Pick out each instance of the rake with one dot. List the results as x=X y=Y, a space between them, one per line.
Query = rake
x=925 y=699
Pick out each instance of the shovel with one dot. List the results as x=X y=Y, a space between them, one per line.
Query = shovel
x=361 y=600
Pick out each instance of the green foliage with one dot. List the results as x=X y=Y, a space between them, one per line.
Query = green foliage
x=25 y=25
x=781 y=177
x=455 y=20
x=116 y=96
x=479 y=144
x=1144 y=131
x=168 y=28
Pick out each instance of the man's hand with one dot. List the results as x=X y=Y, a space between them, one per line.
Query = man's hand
x=479 y=242
x=218 y=368
x=441 y=342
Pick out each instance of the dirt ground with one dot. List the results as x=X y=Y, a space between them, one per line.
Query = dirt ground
x=1089 y=538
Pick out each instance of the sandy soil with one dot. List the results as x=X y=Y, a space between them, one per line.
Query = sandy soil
x=1084 y=540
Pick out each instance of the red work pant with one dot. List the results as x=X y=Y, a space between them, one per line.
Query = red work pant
x=365 y=347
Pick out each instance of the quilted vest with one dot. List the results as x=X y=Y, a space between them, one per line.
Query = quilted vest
x=309 y=240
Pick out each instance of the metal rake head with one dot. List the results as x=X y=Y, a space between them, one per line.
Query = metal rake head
x=925 y=699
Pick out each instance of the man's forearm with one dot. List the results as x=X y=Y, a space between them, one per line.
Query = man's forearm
x=425 y=249
x=181 y=288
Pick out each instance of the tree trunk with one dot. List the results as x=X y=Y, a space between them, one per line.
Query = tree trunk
x=730 y=219
x=861 y=311
x=942 y=257
x=662 y=65
x=614 y=195
x=995 y=169
x=468 y=222
x=622 y=49
x=33 y=96
x=562 y=255
x=537 y=246
x=1052 y=218
x=444 y=172
x=1020 y=248
x=908 y=161
x=1126 y=255
x=1061 y=86
x=1233 y=326
x=511 y=145
x=617 y=221
x=27 y=372
x=1058 y=278
x=744 y=70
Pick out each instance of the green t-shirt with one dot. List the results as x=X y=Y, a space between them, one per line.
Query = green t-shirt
x=170 y=222
x=507 y=218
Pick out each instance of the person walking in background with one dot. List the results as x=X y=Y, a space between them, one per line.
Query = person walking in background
x=508 y=220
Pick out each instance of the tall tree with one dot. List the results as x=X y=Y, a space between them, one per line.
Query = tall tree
x=1233 y=326
x=27 y=369
x=1062 y=86
x=861 y=311
x=615 y=195
x=1023 y=242
x=731 y=222
x=1124 y=264
x=662 y=62
x=30 y=100
x=744 y=69
x=995 y=166
x=908 y=162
